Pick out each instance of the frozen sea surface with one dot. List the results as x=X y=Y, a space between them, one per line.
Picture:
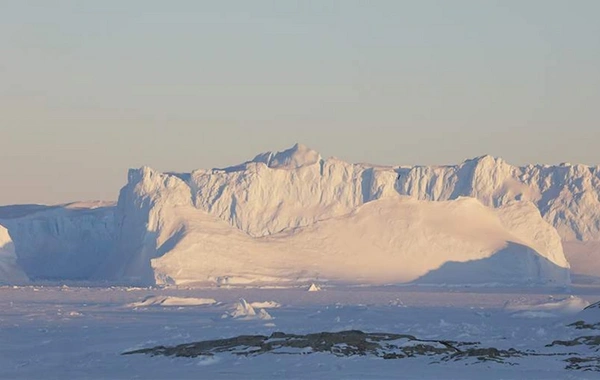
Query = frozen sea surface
x=80 y=332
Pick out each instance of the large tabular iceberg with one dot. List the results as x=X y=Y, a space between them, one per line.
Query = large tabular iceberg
x=303 y=218
x=293 y=216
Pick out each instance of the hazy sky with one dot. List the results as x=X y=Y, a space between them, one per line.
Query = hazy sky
x=91 y=88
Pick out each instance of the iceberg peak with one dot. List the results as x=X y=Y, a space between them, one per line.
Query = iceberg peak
x=486 y=159
x=293 y=158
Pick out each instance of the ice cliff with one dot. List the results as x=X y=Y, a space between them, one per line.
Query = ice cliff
x=261 y=198
x=67 y=242
x=10 y=272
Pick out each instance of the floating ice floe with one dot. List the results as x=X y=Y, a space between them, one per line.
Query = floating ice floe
x=172 y=301
x=552 y=308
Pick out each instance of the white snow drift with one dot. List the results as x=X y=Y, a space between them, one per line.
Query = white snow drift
x=386 y=241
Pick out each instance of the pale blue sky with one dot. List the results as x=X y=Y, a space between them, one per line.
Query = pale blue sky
x=91 y=88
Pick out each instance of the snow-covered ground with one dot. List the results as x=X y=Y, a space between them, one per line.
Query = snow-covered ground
x=80 y=332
